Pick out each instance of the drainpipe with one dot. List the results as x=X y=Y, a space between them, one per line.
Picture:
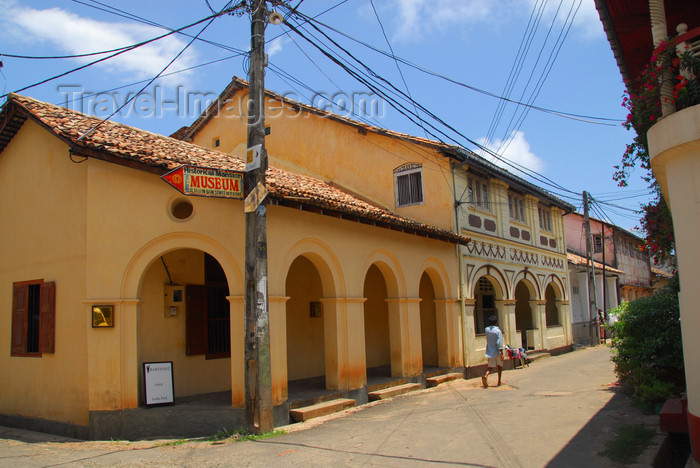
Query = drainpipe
x=460 y=295
x=659 y=33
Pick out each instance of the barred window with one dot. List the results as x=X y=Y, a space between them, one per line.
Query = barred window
x=597 y=243
x=409 y=185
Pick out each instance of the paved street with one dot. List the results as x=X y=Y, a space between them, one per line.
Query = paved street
x=557 y=412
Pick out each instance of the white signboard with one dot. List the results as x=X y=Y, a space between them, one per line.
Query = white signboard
x=252 y=157
x=158 y=383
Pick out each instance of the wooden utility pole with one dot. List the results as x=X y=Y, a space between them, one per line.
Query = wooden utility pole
x=593 y=313
x=258 y=381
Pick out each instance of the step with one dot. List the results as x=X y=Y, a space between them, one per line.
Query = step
x=442 y=378
x=321 y=409
x=389 y=383
x=533 y=355
x=393 y=391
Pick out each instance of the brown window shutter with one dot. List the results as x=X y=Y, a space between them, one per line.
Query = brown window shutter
x=47 y=317
x=196 y=320
x=19 y=319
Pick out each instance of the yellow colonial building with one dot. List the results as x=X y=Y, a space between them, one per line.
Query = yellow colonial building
x=385 y=254
x=515 y=267
x=352 y=285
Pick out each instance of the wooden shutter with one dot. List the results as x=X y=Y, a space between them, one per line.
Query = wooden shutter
x=196 y=320
x=19 y=319
x=47 y=317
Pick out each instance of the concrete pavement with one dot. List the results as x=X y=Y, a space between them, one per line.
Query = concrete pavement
x=558 y=412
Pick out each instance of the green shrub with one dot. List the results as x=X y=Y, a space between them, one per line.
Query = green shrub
x=647 y=346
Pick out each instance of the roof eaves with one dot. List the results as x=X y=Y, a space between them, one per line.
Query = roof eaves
x=146 y=151
x=605 y=18
x=470 y=158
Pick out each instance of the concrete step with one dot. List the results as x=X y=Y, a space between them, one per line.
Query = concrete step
x=386 y=384
x=321 y=409
x=442 y=378
x=533 y=355
x=393 y=391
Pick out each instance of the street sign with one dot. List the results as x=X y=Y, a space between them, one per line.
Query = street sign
x=254 y=198
x=206 y=182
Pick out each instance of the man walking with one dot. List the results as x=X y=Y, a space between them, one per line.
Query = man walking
x=494 y=350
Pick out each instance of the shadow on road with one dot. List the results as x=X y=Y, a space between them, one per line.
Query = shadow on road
x=585 y=446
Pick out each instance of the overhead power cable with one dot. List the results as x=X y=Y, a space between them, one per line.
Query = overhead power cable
x=523 y=49
x=569 y=115
x=127 y=49
x=133 y=96
x=510 y=135
x=404 y=110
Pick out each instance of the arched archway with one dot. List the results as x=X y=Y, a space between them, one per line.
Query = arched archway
x=551 y=297
x=525 y=321
x=305 y=322
x=384 y=347
x=185 y=318
x=486 y=292
x=376 y=314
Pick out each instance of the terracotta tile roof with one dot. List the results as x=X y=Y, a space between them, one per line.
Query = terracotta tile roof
x=455 y=152
x=238 y=84
x=581 y=261
x=155 y=153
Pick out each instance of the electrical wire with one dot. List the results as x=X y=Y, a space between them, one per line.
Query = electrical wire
x=404 y=111
x=129 y=48
x=131 y=16
x=89 y=95
x=573 y=116
x=507 y=134
x=543 y=77
x=516 y=67
x=133 y=96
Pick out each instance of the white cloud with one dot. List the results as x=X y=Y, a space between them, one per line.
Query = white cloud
x=416 y=18
x=72 y=34
x=517 y=151
x=586 y=23
x=276 y=45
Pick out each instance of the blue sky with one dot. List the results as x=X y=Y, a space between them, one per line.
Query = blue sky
x=471 y=42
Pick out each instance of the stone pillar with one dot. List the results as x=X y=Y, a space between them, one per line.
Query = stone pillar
x=404 y=337
x=237 y=320
x=539 y=313
x=447 y=323
x=565 y=316
x=468 y=331
x=506 y=320
x=278 y=349
x=357 y=360
x=674 y=147
x=335 y=342
x=344 y=336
